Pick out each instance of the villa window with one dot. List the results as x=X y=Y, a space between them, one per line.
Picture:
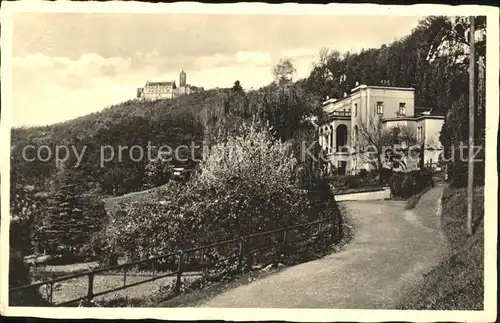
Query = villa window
x=355 y=109
x=419 y=134
x=356 y=136
x=402 y=109
x=380 y=107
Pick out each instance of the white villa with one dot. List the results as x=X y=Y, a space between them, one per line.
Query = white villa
x=391 y=106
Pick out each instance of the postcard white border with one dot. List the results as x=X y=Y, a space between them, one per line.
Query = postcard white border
x=260 y=314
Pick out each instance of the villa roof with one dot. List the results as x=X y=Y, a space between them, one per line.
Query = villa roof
x=363 y=86
x=425 y=111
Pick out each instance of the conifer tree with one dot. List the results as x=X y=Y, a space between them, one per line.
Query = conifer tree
x=67 y=226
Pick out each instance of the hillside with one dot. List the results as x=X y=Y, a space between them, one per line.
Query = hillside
x=178 y=123
x=90 y=124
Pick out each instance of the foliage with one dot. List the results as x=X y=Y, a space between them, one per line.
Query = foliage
x=454 y=135
x=27 y=205
x=19 y=275
x=158 y=171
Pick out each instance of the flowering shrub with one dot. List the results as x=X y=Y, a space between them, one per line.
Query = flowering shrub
x=245 y=185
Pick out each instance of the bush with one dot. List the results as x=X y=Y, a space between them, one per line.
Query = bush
x=19 y=275
x=363 y=180
x=396 y=184
x=353 y=181
x=385 y=175
x=363 y=173
x=407 y=186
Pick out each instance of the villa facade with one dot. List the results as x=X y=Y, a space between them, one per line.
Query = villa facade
x=339 y=132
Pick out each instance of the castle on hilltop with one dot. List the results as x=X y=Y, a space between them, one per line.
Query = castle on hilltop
x=167 y=90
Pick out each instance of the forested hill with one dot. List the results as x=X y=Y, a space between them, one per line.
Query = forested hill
x=163 y=122
x=433 y=59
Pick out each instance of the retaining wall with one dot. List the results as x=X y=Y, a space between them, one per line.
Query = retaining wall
x=365 y=196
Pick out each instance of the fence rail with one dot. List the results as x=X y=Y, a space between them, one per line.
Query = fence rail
x=243 y=247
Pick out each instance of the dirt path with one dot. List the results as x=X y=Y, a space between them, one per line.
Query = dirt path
x=391 y=250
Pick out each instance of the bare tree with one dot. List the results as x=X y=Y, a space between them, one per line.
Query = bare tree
x=380 y=146
x=284 y=71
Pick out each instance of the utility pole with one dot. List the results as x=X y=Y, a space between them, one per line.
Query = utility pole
x=480 y=94
x=470 y=187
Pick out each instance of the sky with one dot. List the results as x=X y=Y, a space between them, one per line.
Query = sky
x=67 y=65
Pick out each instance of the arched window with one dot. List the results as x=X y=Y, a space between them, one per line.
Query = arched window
x=341 y=135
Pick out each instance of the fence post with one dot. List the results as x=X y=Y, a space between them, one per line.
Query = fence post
x=249 y=262
x=90 y=291
x=285 y=244
x=52 y=290
x=241 y=252
x=321 y=236
x=51 y=295
x=177 y=288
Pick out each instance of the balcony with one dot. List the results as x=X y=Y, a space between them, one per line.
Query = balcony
x=343 y=115
x=346 y=113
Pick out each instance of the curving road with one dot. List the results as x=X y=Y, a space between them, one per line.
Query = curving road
x=392 y=248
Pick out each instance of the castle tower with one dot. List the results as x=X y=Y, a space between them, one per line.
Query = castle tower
x=182 y=78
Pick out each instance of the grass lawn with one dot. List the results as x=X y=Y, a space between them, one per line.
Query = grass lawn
x=155 y=194
x=77 y=287
x=457 y=283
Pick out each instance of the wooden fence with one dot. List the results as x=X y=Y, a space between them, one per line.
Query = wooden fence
x=241 y=252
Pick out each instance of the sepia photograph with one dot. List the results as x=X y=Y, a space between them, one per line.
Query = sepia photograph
x=247 y=161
